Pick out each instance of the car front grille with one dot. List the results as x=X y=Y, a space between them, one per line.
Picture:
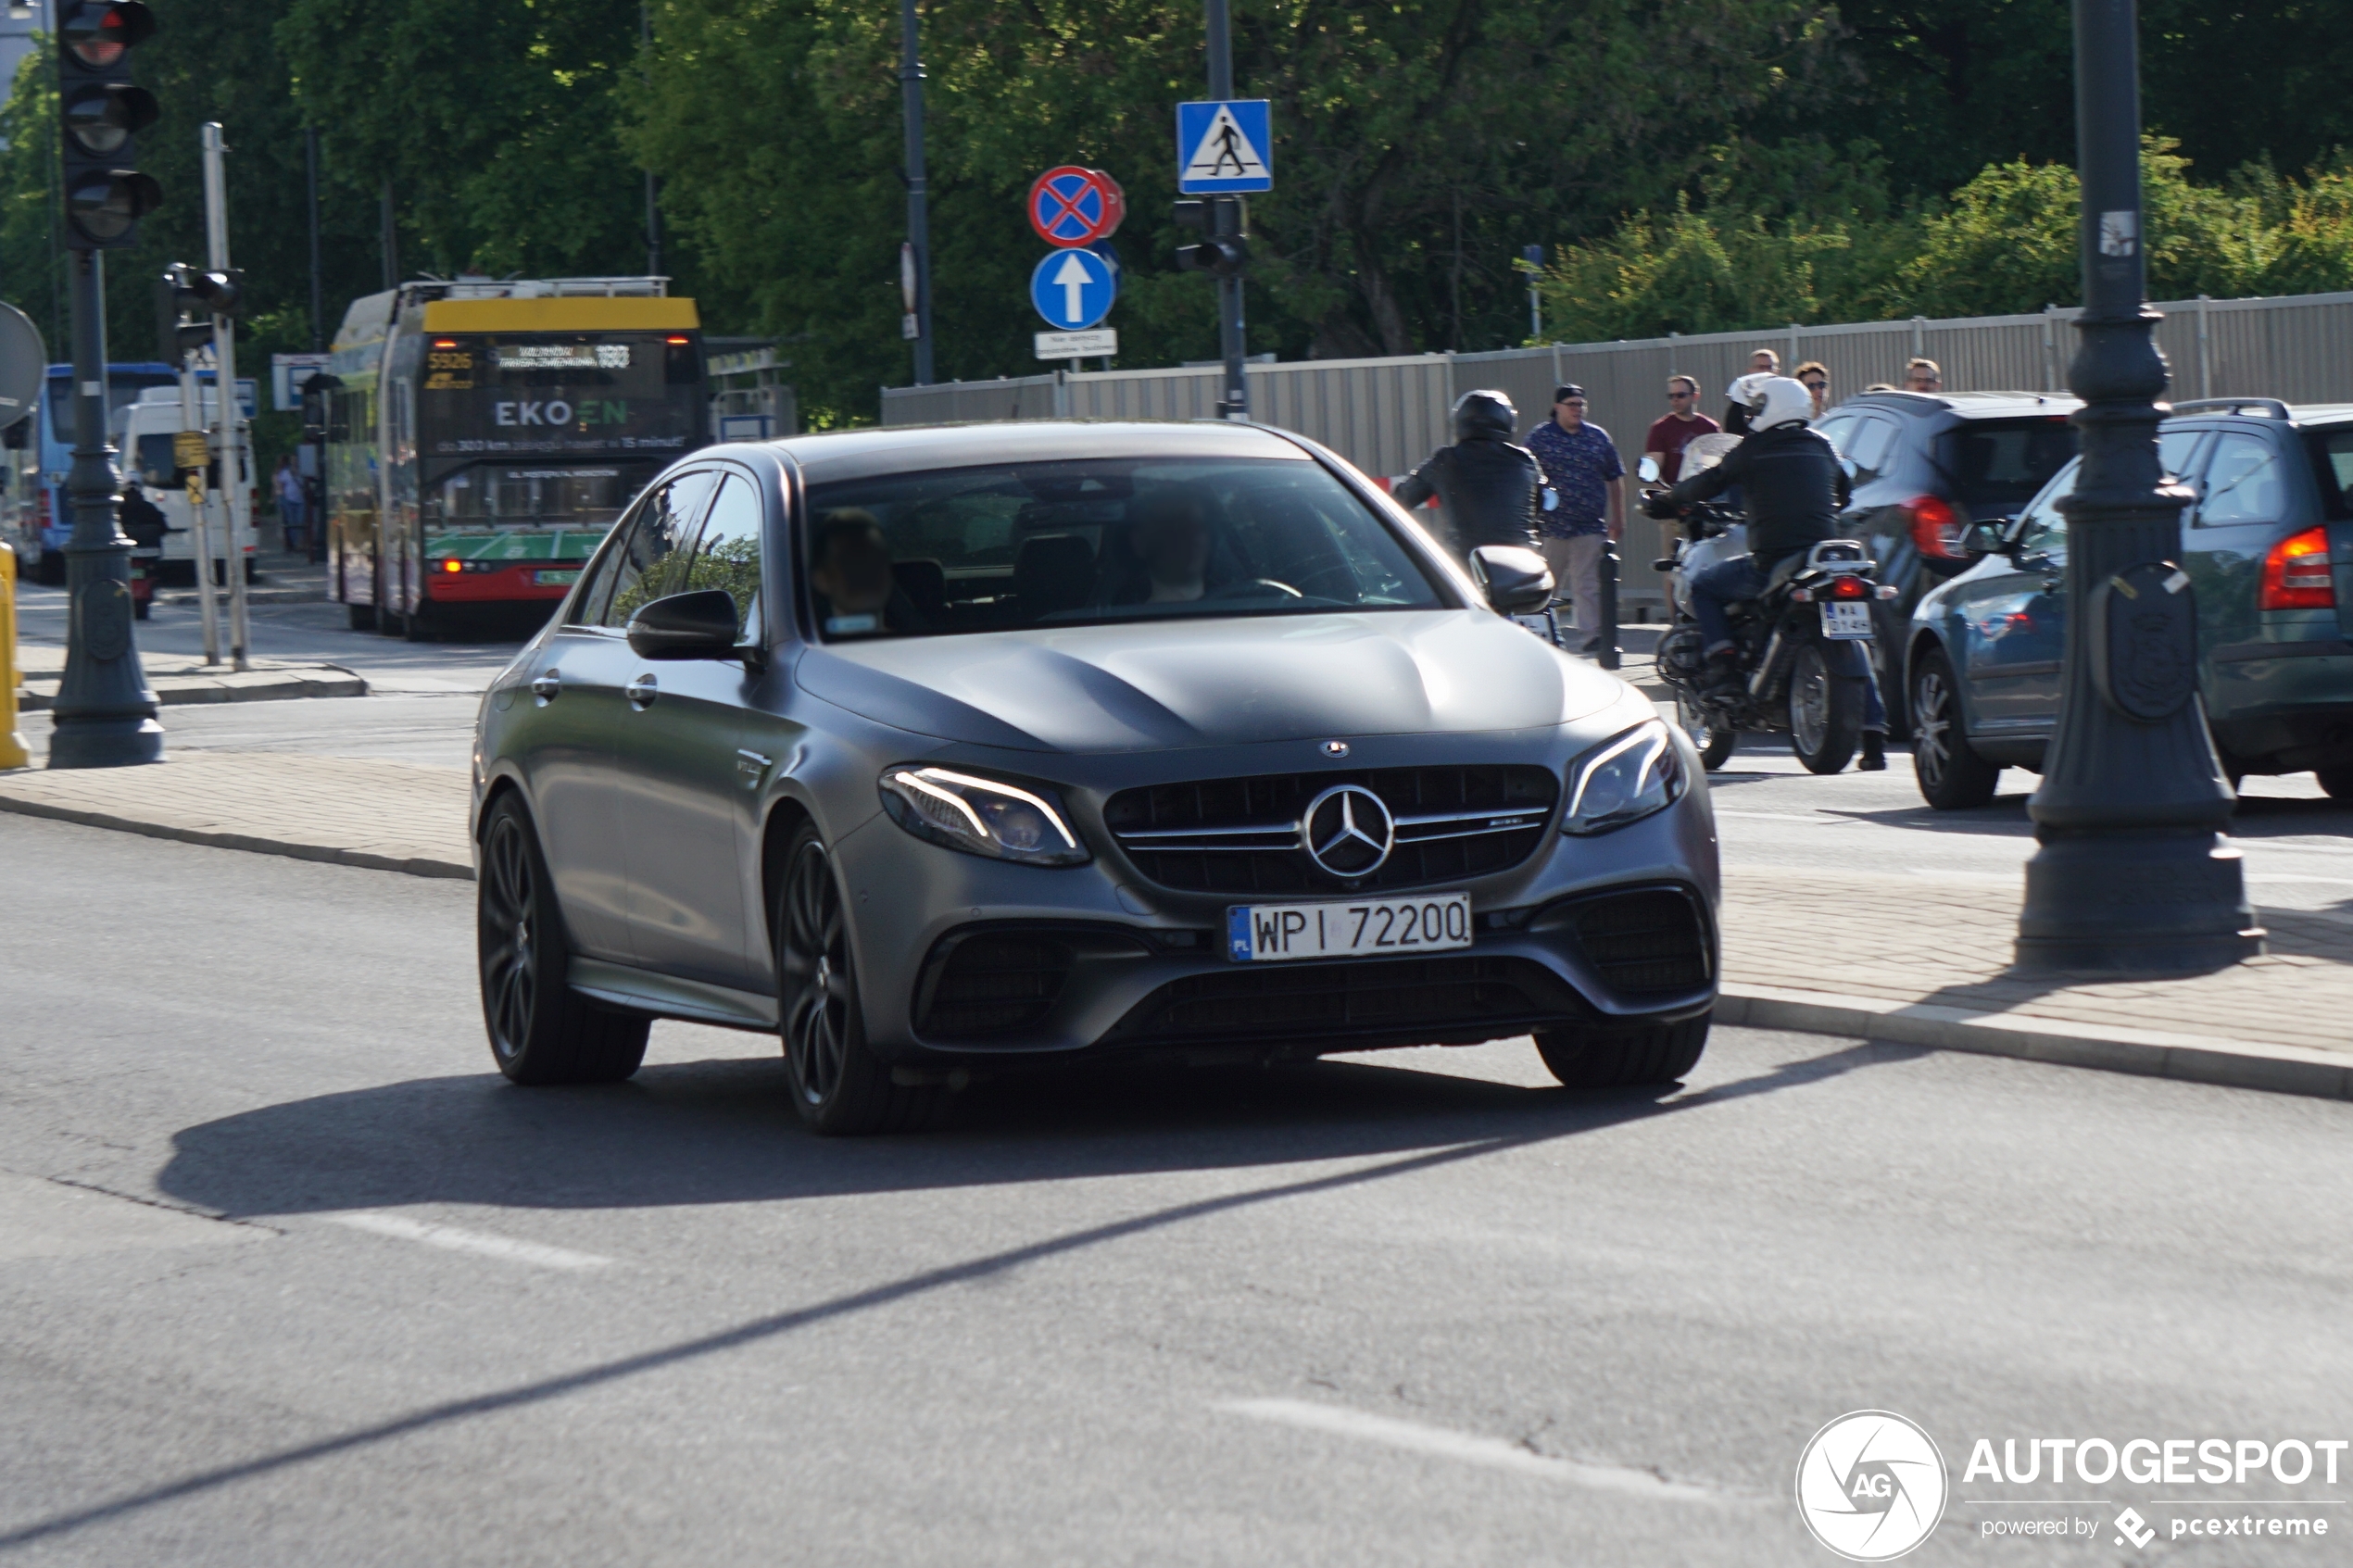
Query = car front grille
x=1242 y=835
x=1651 y=939
x=1454 y=995
x=991 y=982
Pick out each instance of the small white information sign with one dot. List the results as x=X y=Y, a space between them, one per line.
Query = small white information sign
x=1101 y=343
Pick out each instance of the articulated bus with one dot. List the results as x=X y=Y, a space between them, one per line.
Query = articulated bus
x=483 y=436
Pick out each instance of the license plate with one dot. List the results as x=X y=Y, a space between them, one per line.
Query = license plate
x=1848 y=620
x=1275 y=932
x=554 y=577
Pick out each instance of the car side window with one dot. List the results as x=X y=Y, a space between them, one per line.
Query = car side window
x=651 y=563
x=728 y=554
x=2043 y=527
x=588 y=609
x=1868 y=446
x=2245 y=482
x=1835 y=429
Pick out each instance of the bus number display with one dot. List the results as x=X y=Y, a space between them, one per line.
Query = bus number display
x=562 y=356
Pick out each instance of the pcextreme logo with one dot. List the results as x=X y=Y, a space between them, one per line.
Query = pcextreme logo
x=1871 y=1486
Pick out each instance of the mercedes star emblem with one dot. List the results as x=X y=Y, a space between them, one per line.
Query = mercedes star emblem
x=1335 y=748
x=1347 y=830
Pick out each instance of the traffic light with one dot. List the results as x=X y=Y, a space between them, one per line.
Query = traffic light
x=186 y=300
x=102 y=112
x=1222 y=252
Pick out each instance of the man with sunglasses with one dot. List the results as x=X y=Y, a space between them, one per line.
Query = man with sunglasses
x=1815 y=377
x=1677 y=428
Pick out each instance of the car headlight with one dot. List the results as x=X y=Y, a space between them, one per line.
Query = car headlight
x=980 y=816
x=1623 y=780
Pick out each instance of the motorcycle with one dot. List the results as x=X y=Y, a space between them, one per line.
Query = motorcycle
x=1802 y=666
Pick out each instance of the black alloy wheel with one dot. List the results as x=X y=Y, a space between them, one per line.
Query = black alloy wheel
x=1951 y=774
x=1825 y=711
x=840 y=1087
x=541 y=1030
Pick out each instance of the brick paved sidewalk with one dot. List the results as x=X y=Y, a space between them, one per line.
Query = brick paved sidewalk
x=1923 y=961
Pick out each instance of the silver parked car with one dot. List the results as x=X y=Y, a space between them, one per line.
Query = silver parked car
x=938 y=749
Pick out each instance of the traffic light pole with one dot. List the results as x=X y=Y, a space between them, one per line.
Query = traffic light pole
x=2130 y=874
x=910 y=87
x=229 y=450
x=106 y=712
x=1226 y=217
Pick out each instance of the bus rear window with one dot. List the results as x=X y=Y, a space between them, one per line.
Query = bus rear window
x=2002 y=463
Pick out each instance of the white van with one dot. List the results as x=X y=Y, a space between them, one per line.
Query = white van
x=149 y=426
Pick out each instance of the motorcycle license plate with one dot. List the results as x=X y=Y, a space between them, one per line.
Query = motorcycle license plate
x=1849 y=620
x=1273 y=933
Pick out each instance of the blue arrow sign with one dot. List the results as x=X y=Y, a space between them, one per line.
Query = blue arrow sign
x=1073 y=289
x=1224 y=148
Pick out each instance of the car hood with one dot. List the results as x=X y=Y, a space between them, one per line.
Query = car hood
x=1221 y=683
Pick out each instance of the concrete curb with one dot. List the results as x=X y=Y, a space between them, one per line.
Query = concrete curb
x=412 y=865
x=2195 y=1058
x=272 y=686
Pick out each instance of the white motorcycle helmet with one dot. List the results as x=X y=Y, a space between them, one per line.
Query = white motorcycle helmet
x=1775 y=400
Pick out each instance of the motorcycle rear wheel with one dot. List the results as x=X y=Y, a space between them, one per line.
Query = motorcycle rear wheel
x=1825 y=711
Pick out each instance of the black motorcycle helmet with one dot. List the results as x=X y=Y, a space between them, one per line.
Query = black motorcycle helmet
x=1484 y=413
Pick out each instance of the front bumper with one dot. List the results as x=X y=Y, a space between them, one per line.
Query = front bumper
x=961 y=957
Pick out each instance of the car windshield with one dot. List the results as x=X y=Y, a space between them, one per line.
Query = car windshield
x=1997 y=465
x=1087 y=542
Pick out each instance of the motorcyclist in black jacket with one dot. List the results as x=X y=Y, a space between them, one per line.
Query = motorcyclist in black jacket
x=1794 y=490
x=1487 y=482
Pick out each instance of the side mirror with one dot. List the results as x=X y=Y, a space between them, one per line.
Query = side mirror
x=1515 y=579
x=696 y=625
x=1985 y=538
x=1647 y=469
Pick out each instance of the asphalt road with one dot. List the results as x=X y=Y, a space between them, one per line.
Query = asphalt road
x=287 y=1275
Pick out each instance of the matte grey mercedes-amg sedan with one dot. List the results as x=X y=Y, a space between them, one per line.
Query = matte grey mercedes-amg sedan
x=940 y=749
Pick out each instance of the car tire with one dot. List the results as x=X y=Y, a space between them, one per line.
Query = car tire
x=1951 y=774
x=1825 y=710
x=541 y=1030
x=362 y=617
x=1623 y=1055
x=840 y=1087
x=1715 y=746
x=50 y=570
x=2337 y=781
x=139 y=609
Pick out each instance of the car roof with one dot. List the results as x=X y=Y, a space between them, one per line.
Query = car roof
x=859 y=454
x=2300 y=415
x=1969 y=405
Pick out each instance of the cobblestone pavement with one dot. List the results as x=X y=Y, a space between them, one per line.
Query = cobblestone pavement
x=1939 y=943
x=184 y=678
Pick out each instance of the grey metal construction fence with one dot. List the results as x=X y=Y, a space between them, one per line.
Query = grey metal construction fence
x=1386 y=415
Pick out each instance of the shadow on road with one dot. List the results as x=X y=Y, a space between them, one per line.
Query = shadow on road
x=724 y=1132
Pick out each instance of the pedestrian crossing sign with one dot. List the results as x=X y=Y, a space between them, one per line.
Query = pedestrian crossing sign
x=1223 y=148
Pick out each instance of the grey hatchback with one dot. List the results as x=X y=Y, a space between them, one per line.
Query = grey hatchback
x=944 y=749
x=2268 y=544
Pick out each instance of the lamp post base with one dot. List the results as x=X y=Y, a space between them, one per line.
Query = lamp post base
x=2155 y=903
x=105 y=743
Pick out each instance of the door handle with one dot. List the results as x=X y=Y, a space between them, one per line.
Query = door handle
x=641 y=692
x=547 y=686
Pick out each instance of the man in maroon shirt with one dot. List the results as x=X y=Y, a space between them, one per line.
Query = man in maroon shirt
x=1681 y=422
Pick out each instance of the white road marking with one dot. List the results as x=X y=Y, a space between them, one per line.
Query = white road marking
x=452 y=1239
x=1494 y=1452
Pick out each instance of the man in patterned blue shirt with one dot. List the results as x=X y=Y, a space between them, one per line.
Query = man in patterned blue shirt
x=1585 y=504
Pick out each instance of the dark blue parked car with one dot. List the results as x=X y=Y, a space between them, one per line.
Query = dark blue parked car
x=2269 y=548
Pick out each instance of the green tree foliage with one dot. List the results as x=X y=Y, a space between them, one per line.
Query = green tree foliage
x=2003 y=243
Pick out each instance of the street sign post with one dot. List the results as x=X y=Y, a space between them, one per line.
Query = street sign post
x=287 y=373
x=1073 y=289
x=1072 y=207
x=1224 y=147
x=24 y=362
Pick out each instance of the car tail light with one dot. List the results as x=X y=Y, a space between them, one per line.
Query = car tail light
x=1936 y=528
x=41 y=506
x=2295 y=574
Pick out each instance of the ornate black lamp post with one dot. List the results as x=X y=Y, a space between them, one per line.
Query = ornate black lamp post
x=2133 y=874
